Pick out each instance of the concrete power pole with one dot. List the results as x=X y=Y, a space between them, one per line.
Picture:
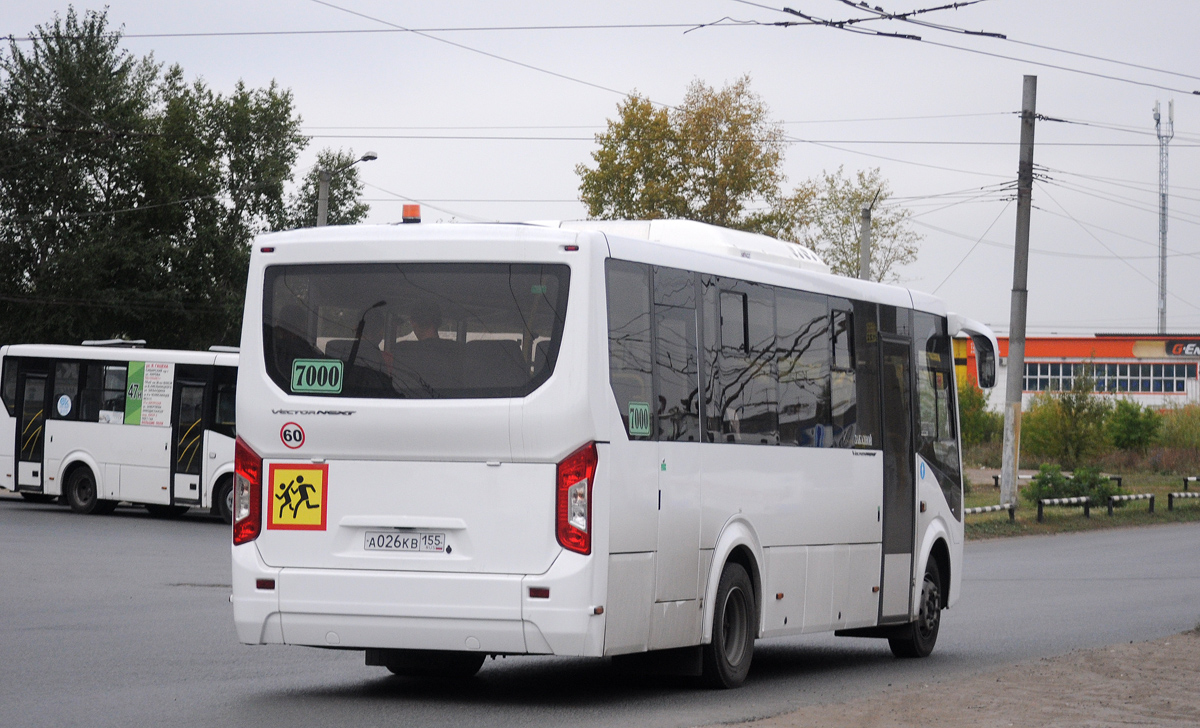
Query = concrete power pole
x=1020 y=298
x=1164 y=138
x=864 y=239
x=864 y=245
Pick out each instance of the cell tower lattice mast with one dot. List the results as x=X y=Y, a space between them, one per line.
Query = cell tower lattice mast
x=1164 y=138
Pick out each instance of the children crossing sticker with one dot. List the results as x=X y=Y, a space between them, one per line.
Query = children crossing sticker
x=298 y=497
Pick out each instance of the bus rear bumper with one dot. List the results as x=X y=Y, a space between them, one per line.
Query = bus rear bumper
x=360 y=609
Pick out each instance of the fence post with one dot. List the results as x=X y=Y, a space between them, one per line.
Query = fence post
x=1110 y=505
x=1117 y=478
x=1039 y=510
x=1012 y=513
x=1151 y=502
x=1170 y=501
x=1087 y=507
x=996 y=480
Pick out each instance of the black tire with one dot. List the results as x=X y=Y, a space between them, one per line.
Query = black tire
x=727 y=658
x=434 y=663
x=82 y=494
x=161 y=511
x=222 y=502
x=918 y=638
x=39 y=497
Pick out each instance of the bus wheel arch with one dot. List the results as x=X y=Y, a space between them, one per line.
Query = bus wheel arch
x=940 y=553
x=739 y=544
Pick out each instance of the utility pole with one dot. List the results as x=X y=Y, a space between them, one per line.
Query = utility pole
x=1020 y=299
x=864 y=240
x=323 y=178
x=1163 y=140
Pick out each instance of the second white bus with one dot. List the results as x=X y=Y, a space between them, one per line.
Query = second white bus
x=657 y=439
x=93 y=426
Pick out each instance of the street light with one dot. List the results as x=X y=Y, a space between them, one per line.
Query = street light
x=323 y=178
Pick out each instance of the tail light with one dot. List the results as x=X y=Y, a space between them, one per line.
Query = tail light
x=574 y=507
x=247 y=493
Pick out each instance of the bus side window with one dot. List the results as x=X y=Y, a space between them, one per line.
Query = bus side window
x=675 y=368
x=743 y=397
x=111 y=391
x=629 y=345
x=9 y=388
x=937 y=440
x=65 y=404
x=868 y=428
x=803 y=362
x=842 y=378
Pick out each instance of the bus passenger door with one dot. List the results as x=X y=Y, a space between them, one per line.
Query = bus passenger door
x=898 y=494
x=31 y=429
x=188 y=452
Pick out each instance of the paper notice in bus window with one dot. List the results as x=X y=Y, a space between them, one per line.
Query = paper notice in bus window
x=639 y=419
x=149 y=388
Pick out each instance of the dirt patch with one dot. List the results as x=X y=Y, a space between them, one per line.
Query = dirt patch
x=1142 y=684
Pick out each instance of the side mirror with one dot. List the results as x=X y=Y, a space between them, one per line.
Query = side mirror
x=985 y=361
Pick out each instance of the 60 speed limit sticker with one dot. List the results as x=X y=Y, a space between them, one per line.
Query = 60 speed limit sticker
x=292 y=435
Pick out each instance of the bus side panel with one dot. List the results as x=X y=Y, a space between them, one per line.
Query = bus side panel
x=218 y=462
x=794 y=496
x=144 y=454
x=68 y=442
x=8 y=441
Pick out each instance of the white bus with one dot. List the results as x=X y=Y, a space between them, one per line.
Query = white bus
x=654 y=440
x=93 y=426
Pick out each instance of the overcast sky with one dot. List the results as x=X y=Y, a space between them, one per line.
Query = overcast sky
x=1094 y=229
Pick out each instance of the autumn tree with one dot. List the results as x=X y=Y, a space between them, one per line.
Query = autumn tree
x=718 y=158
x=833 y=207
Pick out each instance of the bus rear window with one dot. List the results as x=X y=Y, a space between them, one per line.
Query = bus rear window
x=413 y=330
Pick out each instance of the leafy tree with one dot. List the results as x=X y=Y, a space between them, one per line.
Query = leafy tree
x=129 y=196
x=718 y=158
x=1068 y=427
x=979 y=425
x=1132 y=426
x=834 y=224
x=345 y=206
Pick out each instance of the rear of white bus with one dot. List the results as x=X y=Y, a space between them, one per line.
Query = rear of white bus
x=418 y=452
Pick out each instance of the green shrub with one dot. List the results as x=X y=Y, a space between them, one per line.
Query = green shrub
x=1067 y=427
x=1181 y=427
x=1051 y=483
x=979 y=425
x=1132 y=426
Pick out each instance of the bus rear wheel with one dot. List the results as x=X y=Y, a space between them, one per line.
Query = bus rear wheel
x=83 y=495
x=727 y=658
x=222 y=506
x=918 y=638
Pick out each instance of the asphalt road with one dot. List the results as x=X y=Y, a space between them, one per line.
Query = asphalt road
x=124 y=620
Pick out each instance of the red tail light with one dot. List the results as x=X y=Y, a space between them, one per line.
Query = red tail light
x=247 y=493
x=574 y=499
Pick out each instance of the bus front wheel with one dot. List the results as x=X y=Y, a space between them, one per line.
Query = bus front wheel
x=83 y=496
x=918 y=638
x=735 y=624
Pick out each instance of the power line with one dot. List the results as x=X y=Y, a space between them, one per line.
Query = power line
x=850 y=26
x=972 y=250
x=423 y=202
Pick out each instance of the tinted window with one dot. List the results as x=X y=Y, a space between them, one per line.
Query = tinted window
x=189 y=431
x=742 y=382
x=843 y=376
x=102 y=398
x=629 y=352
x=9 y=386
x=802 y=322
x=868 y=427
x=678 y=408
x=937 y=440
x=416 y=330
x=64 y=405
x=225 y=401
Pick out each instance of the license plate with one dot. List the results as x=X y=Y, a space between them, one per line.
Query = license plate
x=405 y=541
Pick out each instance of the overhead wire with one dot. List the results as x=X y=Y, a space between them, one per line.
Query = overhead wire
x=972 y=249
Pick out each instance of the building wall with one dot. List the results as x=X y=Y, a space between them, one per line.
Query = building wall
x=1153 y=371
